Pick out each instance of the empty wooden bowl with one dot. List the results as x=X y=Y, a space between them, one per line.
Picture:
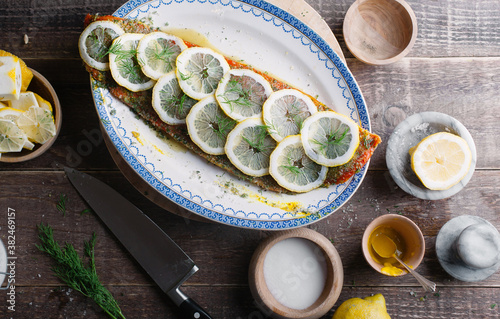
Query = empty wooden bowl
x=42 y=87
x=299 y=258
x=380 y=32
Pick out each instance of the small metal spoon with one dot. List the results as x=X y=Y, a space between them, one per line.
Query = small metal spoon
x=386 y=248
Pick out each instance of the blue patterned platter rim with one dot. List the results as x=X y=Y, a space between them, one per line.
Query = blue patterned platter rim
x=269 y=39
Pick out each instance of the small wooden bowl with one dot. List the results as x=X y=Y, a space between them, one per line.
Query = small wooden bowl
x=42 y=87
x=408 y=230
x=380 y=32
x=334 y=277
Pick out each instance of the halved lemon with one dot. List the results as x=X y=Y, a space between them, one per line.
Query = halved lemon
x=157 y=52
x=285 y=111
x=293 y=169
x=124 y=66
x=330 y=138
x=441 y=160
x=241 y=93
x=10 y=113
x=199 y=71
x=95 y=42
x=249 y=146
x=169 y=101
x=38 y=124
x=12 y=139
x=208 y=126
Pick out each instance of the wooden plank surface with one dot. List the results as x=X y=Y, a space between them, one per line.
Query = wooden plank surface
x=453 y=68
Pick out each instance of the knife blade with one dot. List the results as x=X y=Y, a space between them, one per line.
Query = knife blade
x=164 y=261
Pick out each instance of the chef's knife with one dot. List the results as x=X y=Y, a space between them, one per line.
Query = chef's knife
x=159 y=255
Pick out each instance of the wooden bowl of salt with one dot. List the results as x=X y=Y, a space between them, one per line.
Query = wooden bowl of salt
x=380 y=32
x=296 y=274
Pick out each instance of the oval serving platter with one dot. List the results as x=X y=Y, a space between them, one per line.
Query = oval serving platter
x=269 y=39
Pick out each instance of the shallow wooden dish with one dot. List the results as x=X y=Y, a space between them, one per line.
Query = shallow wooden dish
x=42 y=87
x=413 y=237
x=380 y=32
x=334 y=279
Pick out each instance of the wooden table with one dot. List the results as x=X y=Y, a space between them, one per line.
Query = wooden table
x=453 y=68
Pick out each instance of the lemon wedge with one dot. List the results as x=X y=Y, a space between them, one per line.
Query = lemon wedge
x=199 y=71
x=241 y=93
x=157 y=52
x=248 y=147
x=12 y=139
x=293 y=169
x=25 y=101
x=26 y=74
x=441 y=160
x=95 y=42
x=43 y=103
x=330 y=138
x=38 y=124
x=208 y=126
x=124 y=66
x=285 y=111
x=10 y=113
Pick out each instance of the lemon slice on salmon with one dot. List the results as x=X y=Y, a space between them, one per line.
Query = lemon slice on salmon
x=285 y=111
x=241 y=93
x=95 y=42
x=330 y=138
x=441 y=160
x=124 y=66
x=249 y=146
x=199 y=71
x=169 y=101
x=208 y=126
x=293 y=169
x=157 y=52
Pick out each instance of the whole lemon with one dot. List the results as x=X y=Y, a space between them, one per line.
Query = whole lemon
x=372 y=307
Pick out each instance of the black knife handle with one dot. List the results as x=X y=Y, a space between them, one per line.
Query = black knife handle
x=191 y=310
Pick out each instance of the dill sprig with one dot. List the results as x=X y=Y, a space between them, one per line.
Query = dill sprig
x=61 y=205
x=293 y=166
x=238 y=95
x=223 y=126
x=165 y=55
x=256 y=141
x=334 y=138
x=71 y=269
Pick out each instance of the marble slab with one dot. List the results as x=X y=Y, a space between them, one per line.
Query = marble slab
x=409 y=133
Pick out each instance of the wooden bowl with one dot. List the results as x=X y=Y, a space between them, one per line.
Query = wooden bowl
x=42 y=87
x=380 y=32
x=333 y=285
x=409 y=231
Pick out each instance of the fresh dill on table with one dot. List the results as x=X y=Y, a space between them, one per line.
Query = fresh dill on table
x=71 y=269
